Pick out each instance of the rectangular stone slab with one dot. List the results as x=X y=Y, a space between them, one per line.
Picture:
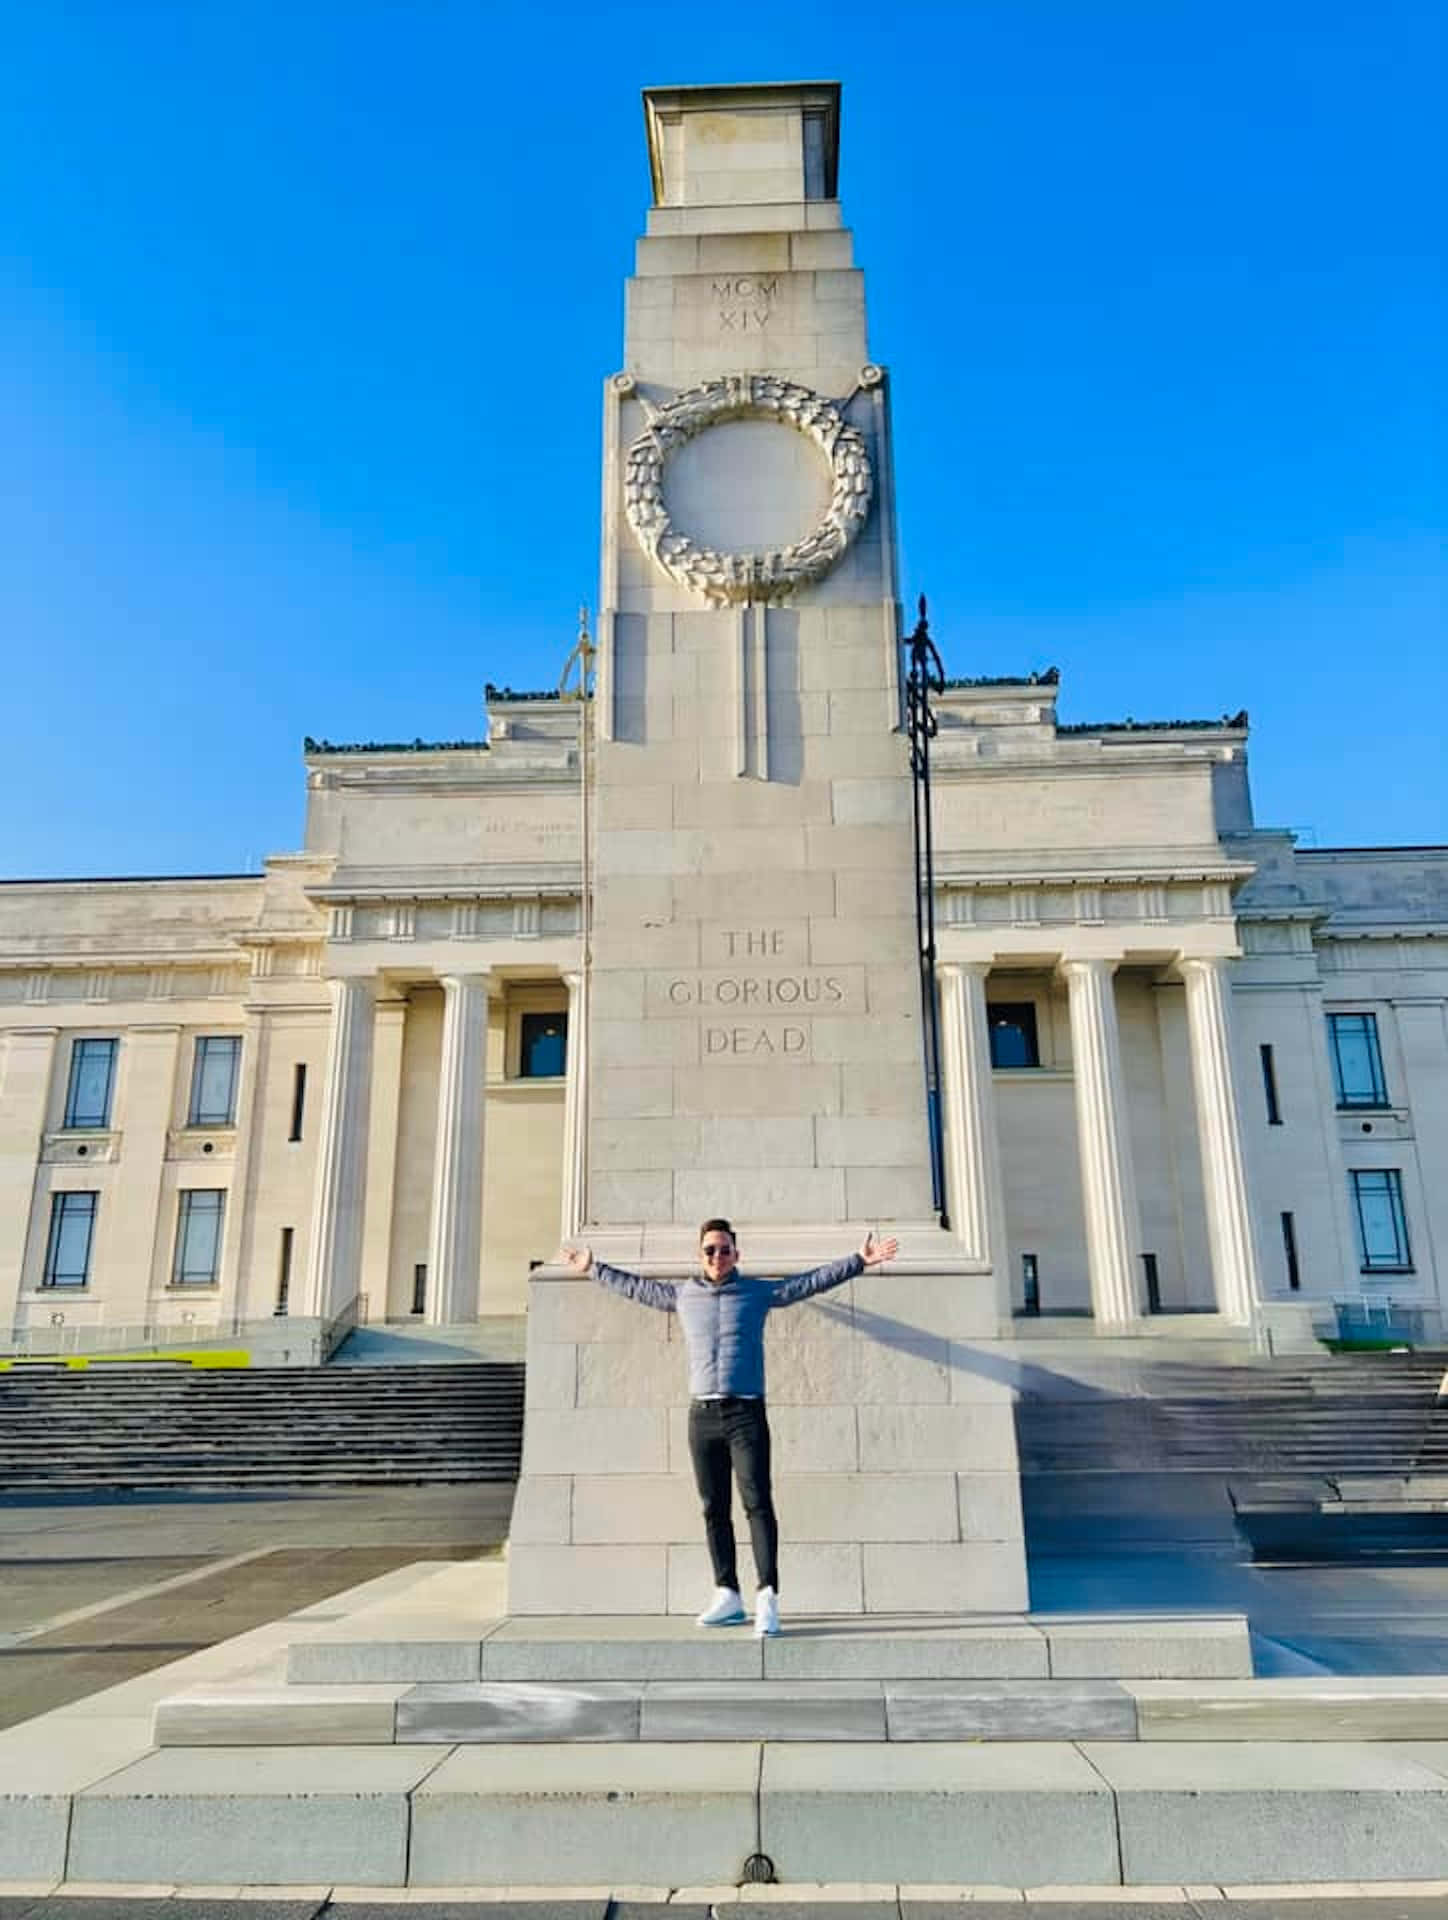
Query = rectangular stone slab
x=937 y=1813
x=1268 y=1811
x=1009 y=1710
x=585 y=1816
x=888 y=1648
x=628 y=1647
x=495 y=1710
x=253 y=1815
x=385 y=1659
x=763 y=1710
x=1325 y=1707
x=1148 y=1647
x=278 y=1716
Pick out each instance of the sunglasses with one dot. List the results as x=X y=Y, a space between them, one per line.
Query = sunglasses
x=716 y=1251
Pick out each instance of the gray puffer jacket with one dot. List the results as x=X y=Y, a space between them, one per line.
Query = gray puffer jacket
x=724 y=1325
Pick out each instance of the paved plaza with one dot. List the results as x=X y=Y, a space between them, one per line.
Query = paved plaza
x=98 y=1588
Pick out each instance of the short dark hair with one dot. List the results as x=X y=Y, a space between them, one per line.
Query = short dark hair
x=716 y=1226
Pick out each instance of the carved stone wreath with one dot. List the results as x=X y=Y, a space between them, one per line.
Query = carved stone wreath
x=729 y=578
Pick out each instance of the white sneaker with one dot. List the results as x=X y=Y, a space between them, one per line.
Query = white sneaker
x=766 y=1613
x=725 y=1610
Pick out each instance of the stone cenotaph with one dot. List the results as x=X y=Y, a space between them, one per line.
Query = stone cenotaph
x=747 y=1026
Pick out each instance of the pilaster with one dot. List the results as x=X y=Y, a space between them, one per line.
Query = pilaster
x=27 y=1058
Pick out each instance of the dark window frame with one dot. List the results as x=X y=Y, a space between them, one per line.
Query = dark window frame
x=63 y=1203
x=79 y=1052
x=532 y=1020
x=188 y=1208
x=196 y=1114
x=1289 y=1249
x=1269 y=1086
x=1022 y=1020
x=1350 y=1100
x=1401 y=1260
x=299 y=1100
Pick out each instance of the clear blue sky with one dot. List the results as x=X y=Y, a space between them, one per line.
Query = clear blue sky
x=304 y=311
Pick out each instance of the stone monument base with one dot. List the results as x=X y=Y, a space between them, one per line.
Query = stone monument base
x=891 y=1412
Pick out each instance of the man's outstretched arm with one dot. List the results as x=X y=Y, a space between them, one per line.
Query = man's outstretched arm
x=633 y=1286
x=801 y=1286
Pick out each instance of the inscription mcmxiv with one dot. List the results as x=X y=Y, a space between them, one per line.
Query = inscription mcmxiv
x=744 y=302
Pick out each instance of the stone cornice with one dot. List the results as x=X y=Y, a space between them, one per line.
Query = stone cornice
x=559 y=882
x=953 y=757
x=1155 y=872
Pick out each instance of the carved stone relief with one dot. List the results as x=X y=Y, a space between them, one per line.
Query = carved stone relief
x=726 y=579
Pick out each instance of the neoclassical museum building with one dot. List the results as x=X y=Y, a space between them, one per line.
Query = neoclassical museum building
x=628 y=959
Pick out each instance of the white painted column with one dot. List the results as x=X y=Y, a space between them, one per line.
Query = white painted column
x=1224 y=1176
x=334 y=1257
x=974 y=1196
x=455 y=1243
x=1108 y=1180
x=575 y=1111
x=389 y=1029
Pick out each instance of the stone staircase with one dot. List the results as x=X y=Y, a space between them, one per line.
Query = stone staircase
x=430 y=1741
x=154 y=1425
x=1360 y=1413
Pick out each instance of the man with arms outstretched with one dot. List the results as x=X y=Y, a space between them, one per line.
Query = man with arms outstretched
x=723 y=1313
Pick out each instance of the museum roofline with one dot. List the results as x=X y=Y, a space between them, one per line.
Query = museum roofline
x=121 y=879
x=1226 y=723
x=317 y=749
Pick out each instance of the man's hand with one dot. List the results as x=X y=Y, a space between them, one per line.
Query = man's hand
x=579 y=1258
x=874 y=1252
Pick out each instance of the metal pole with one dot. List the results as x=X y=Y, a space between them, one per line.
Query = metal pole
x=926 y=676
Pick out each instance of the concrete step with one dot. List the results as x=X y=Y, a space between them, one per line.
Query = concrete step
x=1043 y=1813
x=438 y=1647
x=480 y=1712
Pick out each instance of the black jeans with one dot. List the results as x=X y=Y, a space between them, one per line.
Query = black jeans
x=727 y=1435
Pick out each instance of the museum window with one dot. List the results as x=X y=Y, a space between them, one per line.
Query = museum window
x=815 y=185
x=1357 y=1061
x=92 y=1075
x=1289 y=1253
x=299 y=1100
x=542 y=1046
x=213 y=1081
x=198 y=1237
x=1013 y=1041
x=1269 y=1088
x=72 y=1228
x=1382 y=1225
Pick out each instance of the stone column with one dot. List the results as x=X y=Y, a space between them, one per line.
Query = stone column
x=455 y=1243
x=381 y=1199
x=575 y=1111
x=1108 y=1181
x=1224 y=1177
x=335 y=1255
x=973 y=1194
